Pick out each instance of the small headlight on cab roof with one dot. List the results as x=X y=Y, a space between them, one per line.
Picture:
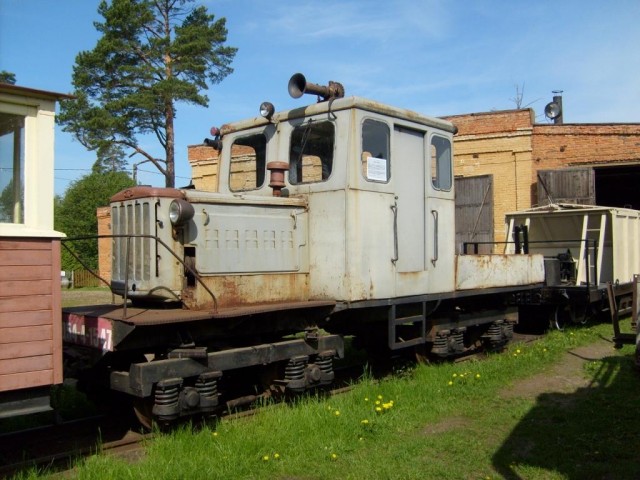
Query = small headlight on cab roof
x=267 y=110
x=180 y=212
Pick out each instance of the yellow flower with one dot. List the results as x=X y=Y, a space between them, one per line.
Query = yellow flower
x=334 y=456
x=477 y=375
x=378 y=409
x=366 y=399
x=276 y=456
x=377 y=402
x=364 y=422
x=215 y=434
x=337 y=413
x=450 y=383
x=379 y=397
x=455 y=375
x=518 y=350
x=265 y=458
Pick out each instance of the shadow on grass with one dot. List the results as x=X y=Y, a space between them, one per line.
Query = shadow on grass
x=591 y=433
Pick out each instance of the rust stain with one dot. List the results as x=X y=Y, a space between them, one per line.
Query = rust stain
x=243 y=290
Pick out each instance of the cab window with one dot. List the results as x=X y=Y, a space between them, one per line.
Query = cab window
x=248 y=159
x=311 y=152
x=375 y=156
x=441 y=174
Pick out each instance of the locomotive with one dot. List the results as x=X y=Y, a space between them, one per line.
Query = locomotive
x=330 y=220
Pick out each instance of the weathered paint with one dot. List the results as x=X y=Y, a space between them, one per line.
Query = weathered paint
x=94 y=332
x=489 y=271
x=238 y=290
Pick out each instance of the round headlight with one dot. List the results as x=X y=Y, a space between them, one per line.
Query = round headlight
x=267 y=110
x=180 y=212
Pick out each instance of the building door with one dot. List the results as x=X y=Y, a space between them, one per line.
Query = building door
x=568 y=185
x=474 y=213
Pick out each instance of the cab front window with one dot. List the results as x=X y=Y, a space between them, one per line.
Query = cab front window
x=311 y=152
x=248 y=160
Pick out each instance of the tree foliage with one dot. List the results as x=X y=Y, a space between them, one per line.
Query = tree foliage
x=75 y=213
x=152 y=54
x=7 y=77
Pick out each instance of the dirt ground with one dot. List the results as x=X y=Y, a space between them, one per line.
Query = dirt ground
x=566 y=377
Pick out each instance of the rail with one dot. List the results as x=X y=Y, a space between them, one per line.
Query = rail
x=127 y=254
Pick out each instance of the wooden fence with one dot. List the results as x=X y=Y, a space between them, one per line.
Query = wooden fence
x=83 y=278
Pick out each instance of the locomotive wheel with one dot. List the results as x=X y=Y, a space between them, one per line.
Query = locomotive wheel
x=561 y=316
x=142 y=407
x=564 y=315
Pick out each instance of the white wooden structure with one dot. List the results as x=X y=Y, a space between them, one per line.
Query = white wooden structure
x=30 y=317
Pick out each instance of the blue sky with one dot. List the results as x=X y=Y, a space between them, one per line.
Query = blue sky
x=437 y=57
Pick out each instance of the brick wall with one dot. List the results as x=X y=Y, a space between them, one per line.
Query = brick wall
x=558 y=146
x=204 y=167
x=104 y=244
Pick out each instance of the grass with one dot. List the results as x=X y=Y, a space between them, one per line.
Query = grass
x=74 y=297
x=446 y=421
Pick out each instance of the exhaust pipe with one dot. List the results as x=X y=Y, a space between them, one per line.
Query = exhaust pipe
x=298 y=85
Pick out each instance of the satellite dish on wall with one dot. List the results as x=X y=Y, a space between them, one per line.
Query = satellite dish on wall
x=552 y=110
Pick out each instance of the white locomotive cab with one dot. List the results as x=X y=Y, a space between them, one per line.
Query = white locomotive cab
x=378 y=182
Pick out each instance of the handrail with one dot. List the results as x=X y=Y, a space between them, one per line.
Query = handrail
x=394 y=209
x=434 y=259
x=129 y=237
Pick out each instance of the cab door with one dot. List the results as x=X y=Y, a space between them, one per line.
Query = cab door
x=440 y=215
x=411 y=275
x=409 y=175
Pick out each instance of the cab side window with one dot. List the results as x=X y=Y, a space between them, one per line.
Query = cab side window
x=375 y=156
x=248 y=160
x=441 y=173
x=311 y=152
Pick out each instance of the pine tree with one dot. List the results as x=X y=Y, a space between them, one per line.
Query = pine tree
x=152 y=55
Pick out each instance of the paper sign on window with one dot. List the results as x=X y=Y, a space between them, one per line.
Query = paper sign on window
x=377 y=169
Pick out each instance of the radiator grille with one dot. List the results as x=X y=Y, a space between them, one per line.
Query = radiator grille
x=131 y=219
